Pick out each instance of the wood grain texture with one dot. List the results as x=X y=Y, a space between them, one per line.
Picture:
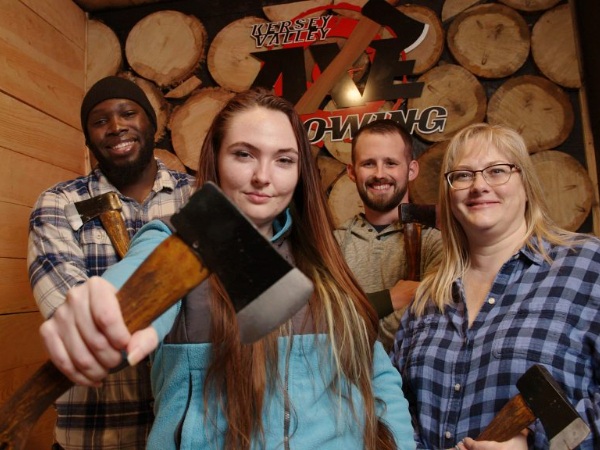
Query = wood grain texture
x=14 y=220
x=41 y=66
x=15 y=290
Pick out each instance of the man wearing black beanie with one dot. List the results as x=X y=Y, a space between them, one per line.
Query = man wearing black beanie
x=119 y=125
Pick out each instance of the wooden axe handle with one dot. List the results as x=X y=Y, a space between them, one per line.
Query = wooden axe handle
x=412 y=248
x=512 y=418
x=115 y=227
x=164 y=277
x=362 y=35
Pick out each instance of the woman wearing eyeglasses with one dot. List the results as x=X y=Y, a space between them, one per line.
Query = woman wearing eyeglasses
x=512 y=290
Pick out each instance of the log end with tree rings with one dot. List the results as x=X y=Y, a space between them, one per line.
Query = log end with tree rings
x=330 y=169
x=425 y=188
x=489 y=40
x=229 y=59
x=452 y=8
x=427 y=53
x=170 y=159
x=289 y=11
x=344 y=201
x=554 y=48
x=166 y=47
x=162 y=108
x=530 y=5
x=458 y=91
x=536 y=108
x=567 y=187
x=190 y=122
x=103 y=52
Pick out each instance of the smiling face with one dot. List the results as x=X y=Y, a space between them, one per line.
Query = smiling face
x=121 y=138
x=489 y=213
x=258 y=164
x=381 y=170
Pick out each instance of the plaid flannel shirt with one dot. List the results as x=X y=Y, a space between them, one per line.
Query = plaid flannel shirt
x=118 y=415
x=457 y=378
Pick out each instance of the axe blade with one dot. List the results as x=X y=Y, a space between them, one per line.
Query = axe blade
x=563 y=425
x=424 y=214
x=264 y=288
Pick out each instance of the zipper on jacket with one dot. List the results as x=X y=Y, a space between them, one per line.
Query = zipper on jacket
x=286 y=399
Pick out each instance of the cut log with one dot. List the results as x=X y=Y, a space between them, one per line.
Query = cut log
x=490 y=40
x=229 y=59
x=103 y=52
x=330 y=169
x=567 y=188
x=530 y=5
x=553 y=47
x=427 y=53
x=157 y=100
x=455 y=89
x=166 y=47
x=344 y=201
x=170 y=159
x=535 y=107
x=185 y=88
x=289 y=11
x=342 y=150
x=453 y=8
x=190 y=123
x=425 y=188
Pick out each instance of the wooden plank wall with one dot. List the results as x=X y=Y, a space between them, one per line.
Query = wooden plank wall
x=42 y=81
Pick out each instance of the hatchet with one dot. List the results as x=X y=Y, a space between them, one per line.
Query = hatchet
x=540 y=397
x=107 y=207
x=414 y=216
x=212 y=235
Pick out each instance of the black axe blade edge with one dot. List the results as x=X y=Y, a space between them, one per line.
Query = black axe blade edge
x=424 y=214
x=563 y=425
x=265 y=289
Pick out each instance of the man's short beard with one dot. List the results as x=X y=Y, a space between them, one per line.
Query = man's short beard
x=382 y=205
x=127 y=174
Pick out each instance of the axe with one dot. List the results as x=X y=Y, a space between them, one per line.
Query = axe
x=107 y=207
x=212 y=235
x=540 y=397
x=414 y=216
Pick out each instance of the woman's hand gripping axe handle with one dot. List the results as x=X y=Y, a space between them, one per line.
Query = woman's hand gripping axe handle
x=212 y=235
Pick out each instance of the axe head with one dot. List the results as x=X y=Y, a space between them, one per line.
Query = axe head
x=563 y=425
x=81 y=212
x=265 y=289
x=416 y=213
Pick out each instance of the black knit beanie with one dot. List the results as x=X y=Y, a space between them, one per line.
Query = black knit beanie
x=114 y=87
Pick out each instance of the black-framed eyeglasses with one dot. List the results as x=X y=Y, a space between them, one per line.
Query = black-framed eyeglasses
x=494 y=175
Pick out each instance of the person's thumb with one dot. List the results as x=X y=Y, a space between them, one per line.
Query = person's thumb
x=141 y=344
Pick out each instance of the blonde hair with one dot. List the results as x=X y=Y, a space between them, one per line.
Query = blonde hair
x=436 y=285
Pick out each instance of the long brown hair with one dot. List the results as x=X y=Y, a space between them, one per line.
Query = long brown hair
x=244 y=373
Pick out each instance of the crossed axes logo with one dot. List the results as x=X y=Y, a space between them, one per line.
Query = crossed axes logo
x=284 y=68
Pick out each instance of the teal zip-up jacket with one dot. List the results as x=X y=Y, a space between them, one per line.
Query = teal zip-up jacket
x=301 y=412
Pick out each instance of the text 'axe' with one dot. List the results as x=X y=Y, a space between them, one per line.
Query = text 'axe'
x=539 y=397
x=107 y=207
x=212 y=235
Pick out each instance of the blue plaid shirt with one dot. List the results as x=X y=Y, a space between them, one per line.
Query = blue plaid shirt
x=61 y=255
x=457 y=378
